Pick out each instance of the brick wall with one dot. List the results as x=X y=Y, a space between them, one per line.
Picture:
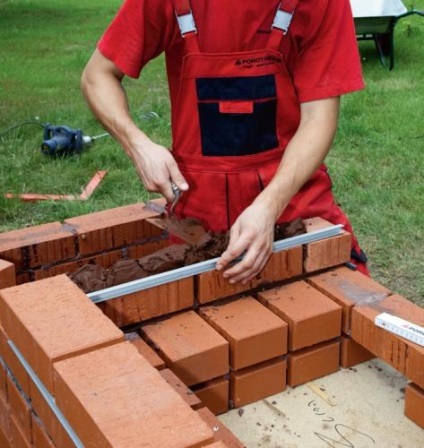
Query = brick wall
x=155 y=367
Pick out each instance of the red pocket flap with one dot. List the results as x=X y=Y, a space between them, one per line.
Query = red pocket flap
x=236 y=107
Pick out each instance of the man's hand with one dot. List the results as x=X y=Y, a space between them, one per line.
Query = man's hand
x=102 y=86
x=157 y=168
x=252 y=237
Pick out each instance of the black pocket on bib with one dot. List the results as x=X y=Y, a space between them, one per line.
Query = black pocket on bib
x=237 y=115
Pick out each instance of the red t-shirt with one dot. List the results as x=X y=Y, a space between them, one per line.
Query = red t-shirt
x=322 y=57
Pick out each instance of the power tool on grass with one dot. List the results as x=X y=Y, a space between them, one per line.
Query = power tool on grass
x=64 y=141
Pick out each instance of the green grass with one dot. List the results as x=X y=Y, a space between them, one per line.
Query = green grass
x=376 y=162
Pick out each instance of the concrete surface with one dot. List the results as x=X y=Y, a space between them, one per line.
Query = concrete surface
x=361 y=407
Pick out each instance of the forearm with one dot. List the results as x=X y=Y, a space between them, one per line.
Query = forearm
x=303 y=155
x=103 y=91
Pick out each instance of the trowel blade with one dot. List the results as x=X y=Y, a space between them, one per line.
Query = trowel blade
x=155 y=207
x=188 y=229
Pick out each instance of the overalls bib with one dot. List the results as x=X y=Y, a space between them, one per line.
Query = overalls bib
x=235 y=114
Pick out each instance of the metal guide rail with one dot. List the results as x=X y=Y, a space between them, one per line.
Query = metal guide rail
x=204 y=266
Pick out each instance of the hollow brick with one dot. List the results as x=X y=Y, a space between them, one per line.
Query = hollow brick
x=312 y=317
x=403 y=355
x=40 y=438
x=53 y=319
x=215 y=395
x=348 y=288
x=98 y=402
x=312 y=363
x=20 y=408
x=414 y=404
x=281 y=266
x=254 y=332
x=7 y=274
x=5 y=411
x=51 y=423
x=113 y=228
x=105 y=260
x=37 y=245
x=12 y=363
x=192 y=349
x=328 y=252
x=257 y=382
x=352 y=353
x=153 y=302
x=17 y=436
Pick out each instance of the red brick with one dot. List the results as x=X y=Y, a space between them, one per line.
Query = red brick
x=5 y=442
x=312 y=316
x=17 y=436
x=146 y=351
x=257 y=382
x=20 y=407
x=328 y=252
x=7 y=274
x=192 y=349
x=313 y=362
x=351 y=353
x=52 y=425
x=153 y=302
x=3 y=376
x=53 y=319
x=254 y=332
x=215 y=395
x=185 y=393
x=147 y=248
x=414 y=404
x=96 y=402
x=221 y=432
x=105 y=260
x=348 y=288
x=40 y=438
x=403 y=355
x=113 y=228
x=24 y=277
x=38 y=245
x=13 y=363
x=281 y=266
x=5 y=411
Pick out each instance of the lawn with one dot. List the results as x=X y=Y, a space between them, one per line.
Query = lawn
x=376 y=162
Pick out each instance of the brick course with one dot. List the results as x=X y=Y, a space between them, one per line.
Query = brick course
x=312 y=317
x=254 y=332
x=97 y=402
x=51 y=320
x=192 y=349
x=316 y=311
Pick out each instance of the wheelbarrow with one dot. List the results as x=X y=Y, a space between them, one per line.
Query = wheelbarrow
x=376 y=20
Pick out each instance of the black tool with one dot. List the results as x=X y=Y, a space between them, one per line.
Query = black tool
x=64 y=141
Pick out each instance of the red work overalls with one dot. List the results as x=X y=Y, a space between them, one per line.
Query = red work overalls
x=234 y=116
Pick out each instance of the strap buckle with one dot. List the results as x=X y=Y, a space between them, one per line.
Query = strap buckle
x=186 y=23
x=282 y=20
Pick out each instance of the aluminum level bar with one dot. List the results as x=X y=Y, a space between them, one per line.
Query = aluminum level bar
x=204 y=266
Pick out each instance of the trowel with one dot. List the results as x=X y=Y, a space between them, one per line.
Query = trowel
x=189 y=230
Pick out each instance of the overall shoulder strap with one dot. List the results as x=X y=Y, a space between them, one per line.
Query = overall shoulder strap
x=187 y=25
x=281 y=24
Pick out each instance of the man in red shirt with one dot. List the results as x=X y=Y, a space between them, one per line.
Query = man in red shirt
x=255 y=90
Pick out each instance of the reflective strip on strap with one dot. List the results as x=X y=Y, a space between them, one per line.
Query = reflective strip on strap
x=186 y=23
x=282 y=20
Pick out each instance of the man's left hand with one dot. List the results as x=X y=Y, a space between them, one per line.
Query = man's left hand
x=251 y=237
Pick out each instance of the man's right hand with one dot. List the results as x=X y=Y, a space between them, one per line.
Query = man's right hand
x=157 y=168
x=102 y=86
